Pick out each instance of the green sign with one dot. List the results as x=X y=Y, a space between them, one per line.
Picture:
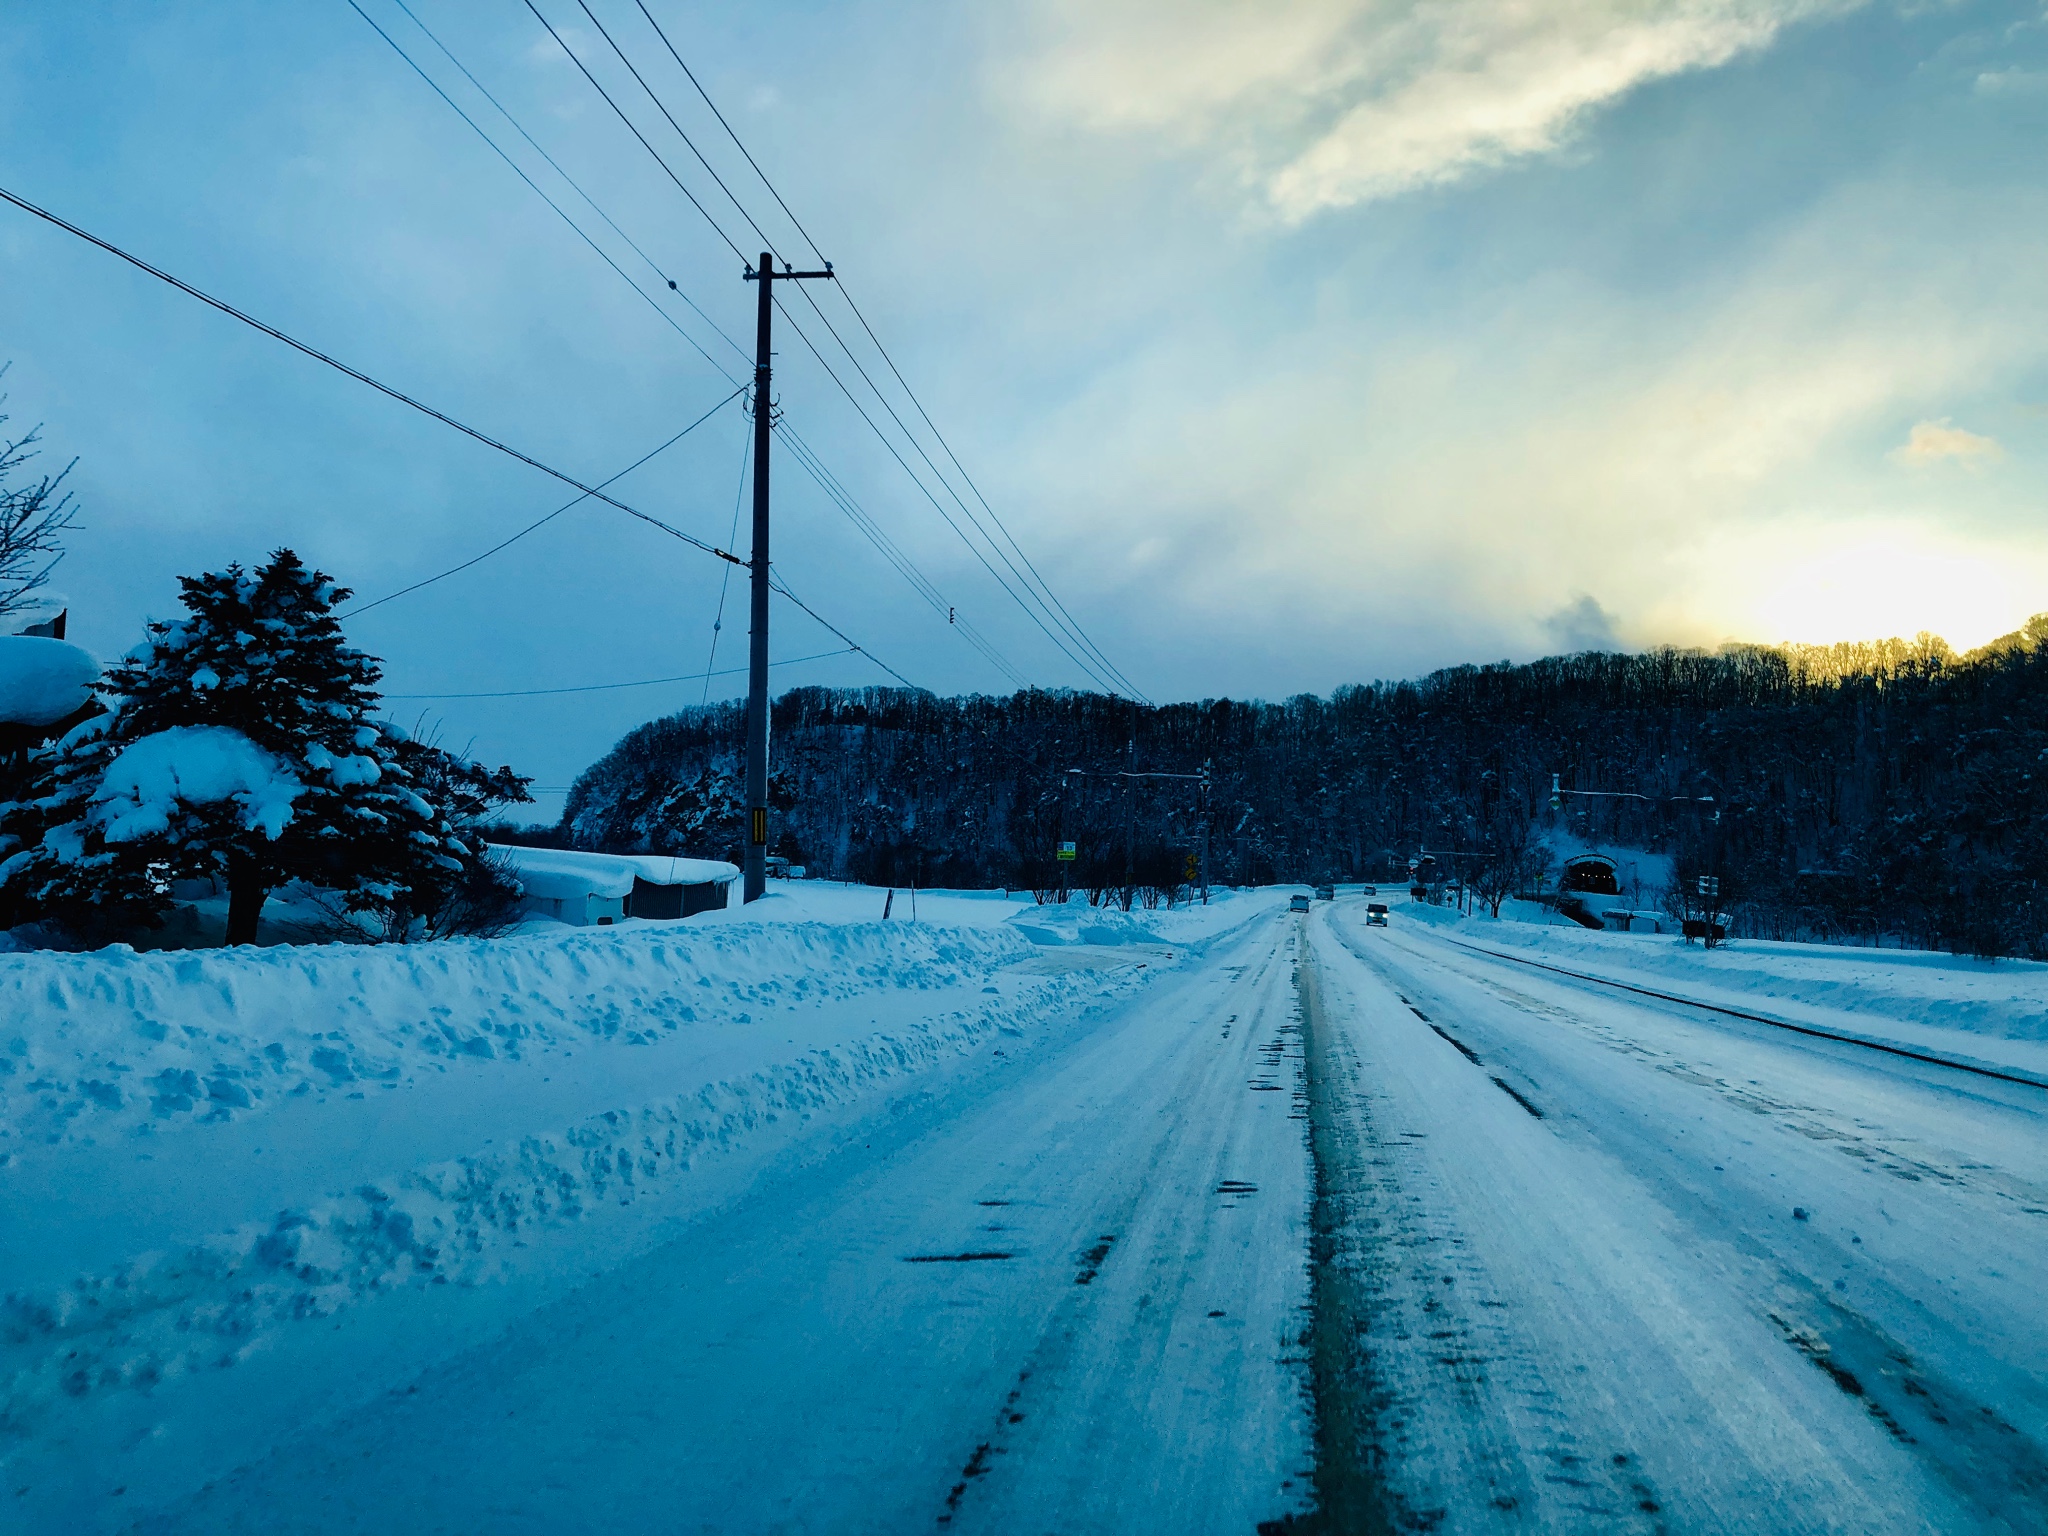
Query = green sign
x=1066 y=852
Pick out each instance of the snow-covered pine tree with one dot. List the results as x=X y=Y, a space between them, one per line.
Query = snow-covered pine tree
x=239 y=745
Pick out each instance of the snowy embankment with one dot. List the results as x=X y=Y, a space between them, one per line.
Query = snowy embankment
x=1994 y=1011
x=202 y=1153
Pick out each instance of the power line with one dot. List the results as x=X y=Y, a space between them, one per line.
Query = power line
x=816 y=469
x=725 y=576
x=776 y=582
x=517 y=170
x=313 y=352
x=1100 y=671
x=542 y=522
x=724 y=581
x=645 y=682
x=1075 y=625
x=687 y=140
x=687 y=71
x=672 y=176
x=1071 y=624
x=357 y=374
x=907 y=568
x=937 y=505
x=573 y=183
x=661 y=107
x=783 y=310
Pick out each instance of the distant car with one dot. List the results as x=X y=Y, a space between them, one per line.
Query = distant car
x=1297 y=903
x=1368 y=890
x=1326 y=893
x=1376 y=914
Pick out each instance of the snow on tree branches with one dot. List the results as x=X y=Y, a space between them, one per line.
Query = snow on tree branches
x=239 y=745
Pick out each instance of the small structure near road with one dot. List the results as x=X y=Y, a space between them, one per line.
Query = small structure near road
x=1621 y=920
x=573 y=886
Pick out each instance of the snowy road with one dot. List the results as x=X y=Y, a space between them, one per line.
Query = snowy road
x=1593 y=1262
x=1338 y=1228
x=1063 y=1293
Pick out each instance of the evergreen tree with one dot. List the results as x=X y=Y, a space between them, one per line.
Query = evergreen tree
x=238 y=745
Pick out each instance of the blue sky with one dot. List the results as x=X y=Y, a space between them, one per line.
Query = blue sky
x=1298 y=344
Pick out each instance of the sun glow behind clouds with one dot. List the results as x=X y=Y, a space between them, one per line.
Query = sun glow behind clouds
x=1832 y=584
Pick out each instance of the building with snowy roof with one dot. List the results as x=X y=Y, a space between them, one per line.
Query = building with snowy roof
x=573 y=886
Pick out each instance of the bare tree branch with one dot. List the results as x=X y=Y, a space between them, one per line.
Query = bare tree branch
x=34 y=516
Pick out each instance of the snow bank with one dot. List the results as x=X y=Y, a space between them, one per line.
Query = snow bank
x=42 y=680
x=205 y=1150
x=152 y=780
x=1078 y=923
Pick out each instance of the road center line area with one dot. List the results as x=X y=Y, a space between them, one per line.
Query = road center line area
x=1598 y=1263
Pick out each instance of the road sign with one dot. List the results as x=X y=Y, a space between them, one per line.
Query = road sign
x=1066 y=852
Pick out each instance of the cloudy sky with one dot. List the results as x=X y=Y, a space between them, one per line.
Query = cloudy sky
x=1296 y=343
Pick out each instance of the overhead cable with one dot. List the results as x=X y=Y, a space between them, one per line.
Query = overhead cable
x=1099 y=671
x=607 y=95
x=777 y=584
x=1071 y=624
x=725 y=576
x=357 y=374
x=645 y=682
x=619 y=111
x=577 y=186
x=542 y=522
x=517 y=170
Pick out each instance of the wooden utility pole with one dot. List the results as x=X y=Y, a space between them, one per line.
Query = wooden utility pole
x=755 y=874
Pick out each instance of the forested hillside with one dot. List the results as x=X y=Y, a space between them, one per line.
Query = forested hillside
x=1892 y=788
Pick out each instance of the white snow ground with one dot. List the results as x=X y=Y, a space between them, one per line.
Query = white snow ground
x=247 y=1190
x=785 y=1219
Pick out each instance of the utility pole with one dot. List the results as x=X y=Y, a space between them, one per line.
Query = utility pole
x=755 y=876
x=1131 y=811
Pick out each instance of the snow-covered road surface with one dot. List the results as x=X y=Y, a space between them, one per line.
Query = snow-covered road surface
x=1056 y=1297
x=1252 y=1218
x=1609 y=1264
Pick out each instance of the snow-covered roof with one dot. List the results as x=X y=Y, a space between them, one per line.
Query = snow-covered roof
x=567 y=873
x=43 y=680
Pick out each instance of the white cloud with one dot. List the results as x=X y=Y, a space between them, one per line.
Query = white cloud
x=1336 y=102
x=1932 y=441
x=546 y=51
x=2012 y=82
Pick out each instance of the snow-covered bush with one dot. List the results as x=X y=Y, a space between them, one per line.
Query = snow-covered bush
x=239 y=745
